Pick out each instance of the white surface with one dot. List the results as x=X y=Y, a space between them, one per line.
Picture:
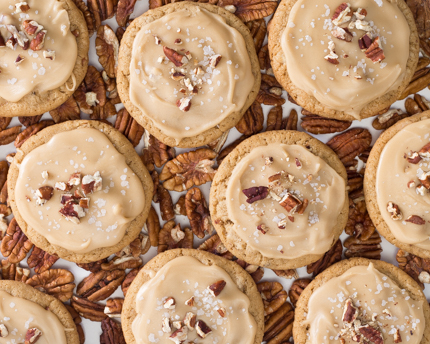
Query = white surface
x=92 y=329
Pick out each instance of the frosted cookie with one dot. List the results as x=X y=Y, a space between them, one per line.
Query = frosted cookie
x=344 y=60
x=279 y=200
x=362 y=301
x=30 y=316
x=79 y=190
x=187 y=72
x=192 y=296
x=43 y=55
x=397 y=184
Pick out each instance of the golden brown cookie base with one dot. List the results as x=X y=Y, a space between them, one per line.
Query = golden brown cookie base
x=123 y=146
x=370 y=185
x=218 y=206
x=402 y=279
x=123 y=76
x=242 y=279
x=34 y=103
x=310 y=103
x=22 y=290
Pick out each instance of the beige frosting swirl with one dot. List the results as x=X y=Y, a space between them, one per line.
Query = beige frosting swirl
x=111 y=209
x=222 y=89
x=19 y=315
x=183 y=278
x=377 y=296
x=36 y=72
x=305 y=43
x=393 y=178
x=310 y=232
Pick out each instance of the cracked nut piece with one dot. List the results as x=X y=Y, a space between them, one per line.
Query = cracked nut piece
x=111 y=332
x=100 y=285
x=107 y=49
x=180 y=335
x=198 y=213
x=189 y=169
x=91 y=92
x=40 y=260
x=278 y=326
x=32 y=335
x=87 y=309
x=170 y=234
x=55 y=282
x=92 y=183
x=15 y=244
x=350 y=144
x=273 y=296
x=297 y=288
x=331 y=257
x=114 y=307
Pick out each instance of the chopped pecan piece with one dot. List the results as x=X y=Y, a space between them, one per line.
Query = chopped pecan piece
x=22 y=7
x=32 y=335
x=374 y=52
x=44 y=194
x=350 y=312
x=216 y=288
x=180 y=335
x=169 y=303
x=203 y=330
x=424 y=178
x=169 y=235
x=273 y=296
x=3 y=331
x=15 y=244
x=290 y=203
x=425 y=151
x=394 y=211
x=55 y=282
x=416 y=220
x=198 y=213
x=72 y=211
x=255 y=194
x=332 y=256
x=111 y=332
x=100 y=285
x=189 y=169
x=342 y=33
x=365 y=41
x=87 y=309
x=177 y=59
x=342 y=14
x=372 y=334
x=297 y=288
x=92 y=183
x=40 y=260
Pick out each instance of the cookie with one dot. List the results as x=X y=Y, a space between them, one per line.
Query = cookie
x=49 y=59
x=187 y=72
x=344 y=60
x=87 y=201
x=279 y=200
x=390 y=305
x=212 y=290
x=26 y=308
x=396 y=184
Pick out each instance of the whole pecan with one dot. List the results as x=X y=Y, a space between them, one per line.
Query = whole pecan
x=125 y=8
x=87 y=309
x=129 y=279
x=9 y=135
x=179 y=207
x=416 y=267
x=91 y=92
x=166 y=204
x=321 y=125
x=357 y=247
x=55 y=282
x=30 y=131
x=29 y=120
x=278 y=327
x=258 y=29
x=107 y=49
x=388 y=119
x=67 y=111
x=40 y=260
x=252 y=120
x=273 y=295
x=332 y=256
x=15 y=244
x=89 y=18
x=13 y=272
x=297 y=288
x=229 y=148
x=215 y=246
x=248 y=10
x=350 y=144
x=100 y=285
x=152 y=226
x=158 y=151
x=101 y=10
x=4 y=122
x=122 y=263
x=359 y=223
x=198 y=213
x=128 y=126
x=189 y=169
x=114 y=307
x=77 y=320
x=172 y=236
x=288 y=274
x=94 y=266
x=111 y=332
x=264 y=59
x=270 y=92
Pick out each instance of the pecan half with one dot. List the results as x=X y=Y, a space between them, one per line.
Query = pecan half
x=420 y=79
x=152 y=226
x=322 y=125
x=87 y=309
x=258 y=29
x=107 y=49
x=332 y=256
x=158 y=151
x=111 y=332
x=264 y=59
x=55 y=282
x=30 y=131
x=137 y=247
x=40 y=260
x=229 y=148
x=255 y=194
x=189 y=169
x=89 y=18
x=273 y=296
x=100 y=285
x=15 y=244
x=255 y=271
x=274 y=118
x=129 y=278
x=9 y=135
x=198 y=213
x=416 y=267
x=278 y=327
x=372 y=334
x=252 y=120
x=270 y=92
x=91 y=92
x=67 y=111
x=297 y=288
x=114 y=307
x=124 y=10
x=122 y=263
x=101 y=10
x=357 y=247
x=4 y=121
x=350 y=144
x=13 y=272
x=29 y=120
x=128 y=126
x=94 y=266
x=172 y=236
x=179 y=207
x=388 y=119
x=248 y=10
x=288 y=274
x=77 y=320
x=166 y=204
x=215 y=246
x=359 y=223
